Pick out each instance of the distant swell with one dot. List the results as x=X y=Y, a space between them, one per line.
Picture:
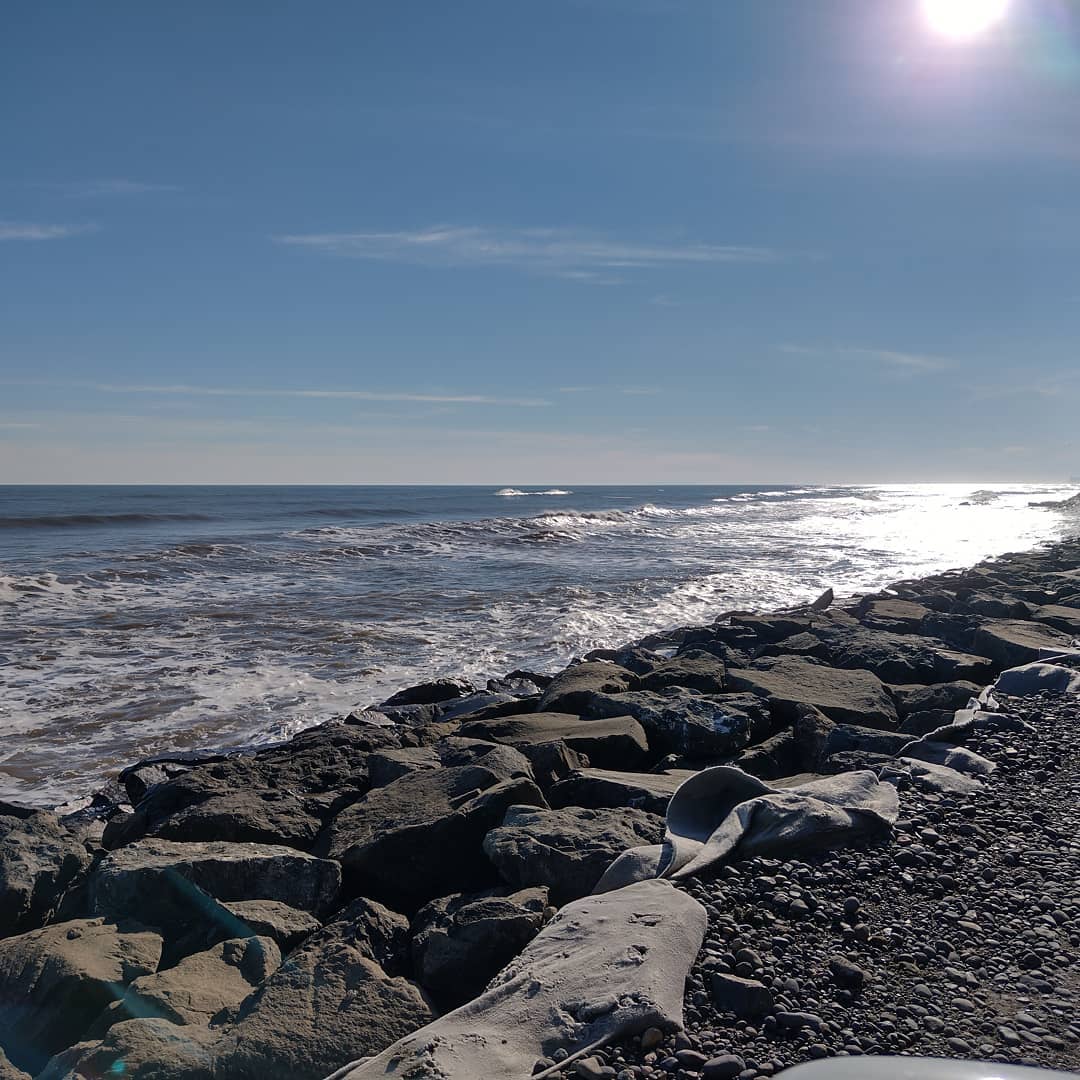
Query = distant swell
x=65 y=521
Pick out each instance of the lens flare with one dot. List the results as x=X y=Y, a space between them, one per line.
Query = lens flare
x=963 y=19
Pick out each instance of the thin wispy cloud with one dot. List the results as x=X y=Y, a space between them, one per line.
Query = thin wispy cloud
x=344 y=395
x=21 y=230
x=913 y=363
x=90 y=189
x=564 y=253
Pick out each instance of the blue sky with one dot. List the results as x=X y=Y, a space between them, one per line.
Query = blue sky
x=566 y=241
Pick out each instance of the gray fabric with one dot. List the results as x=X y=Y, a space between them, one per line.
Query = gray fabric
x=722 y=812
x=606 y=967
x=1035 y=678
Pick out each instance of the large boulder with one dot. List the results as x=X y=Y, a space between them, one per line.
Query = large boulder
x=54 y=982
x=694 y=670
x=200 y=987
x=165 y=884
x=335 y=999
x=39 y=860
x=285 y=925
x=566 y=850
x=430 y=693
x=604 y=969
x=683 y=722
x=617 y=742
x=893 y=614
x=600 y=788
x=800 y=748
x=283 y=795
x=846 y=737
x=1060 y=616
x=461 y=942
x=568 y=691
x=145 y=1049
x=853 y=697
x=1011 y=643
x=420 y=836
x=892 y=657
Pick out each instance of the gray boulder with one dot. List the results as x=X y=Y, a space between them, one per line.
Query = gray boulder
x=335 y=999
x=683 y=722
x=431 y=693
x=200 y=987
x=566 y=850
x=461 y=942
x=164 y=883
x=568 y=691
x=694 y=670
x=1011 y=643
x=285 y=925
x=845 y=737
x=600 y=788
x=39 y=860
x=1060 y=616
x=282 y=795
x=851 y=697
x=420 y=836
x=617 y=742
x=147 y=1049
x=895 y=615
x=799 y=748
x=54 y=982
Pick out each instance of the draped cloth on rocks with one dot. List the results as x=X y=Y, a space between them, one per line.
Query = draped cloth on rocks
x=723 y=813
x=606 y=967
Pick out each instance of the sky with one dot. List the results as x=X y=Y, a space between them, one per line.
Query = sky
x=560 y=241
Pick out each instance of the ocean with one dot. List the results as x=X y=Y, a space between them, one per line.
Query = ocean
x=139 y=620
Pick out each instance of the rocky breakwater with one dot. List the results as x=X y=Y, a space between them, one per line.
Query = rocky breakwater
x=414 y=884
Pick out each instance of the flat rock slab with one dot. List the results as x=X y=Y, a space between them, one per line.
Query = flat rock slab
x=200 y=987
x=617 y=742
x=420 y=836
x=162 y=883
x=287 y=926
x=1010 y=643
x=599 y=788
x=566 y=850
x=54 y=982
x=851 y=697
x=605 y=967
x=1060 y=617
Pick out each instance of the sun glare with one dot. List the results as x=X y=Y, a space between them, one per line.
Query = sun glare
x=963 y=19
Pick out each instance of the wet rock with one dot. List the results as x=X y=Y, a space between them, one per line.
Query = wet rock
x=698 y=670
x=567 y=849
x=1010 y=643
x=570 y=689
x=280 y=796
x=430 y=693
x=746 y=998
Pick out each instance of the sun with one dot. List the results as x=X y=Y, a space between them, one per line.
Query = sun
x=963 y=19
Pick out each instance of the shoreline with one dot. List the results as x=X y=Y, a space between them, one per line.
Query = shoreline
x=375 y=862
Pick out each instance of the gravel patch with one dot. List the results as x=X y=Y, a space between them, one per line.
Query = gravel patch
x=960 y=938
